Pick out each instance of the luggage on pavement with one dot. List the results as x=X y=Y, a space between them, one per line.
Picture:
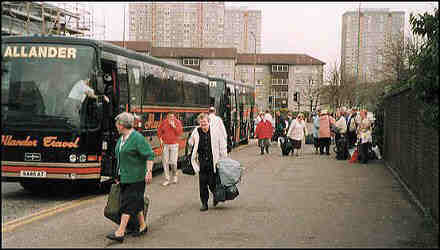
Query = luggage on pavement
x=112 y=208
x=185 y=164
x=229 y=174
x=286 y=145
x=341 y=149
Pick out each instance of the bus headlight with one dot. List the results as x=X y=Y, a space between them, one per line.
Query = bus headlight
x=72 y=158
x=82 y=158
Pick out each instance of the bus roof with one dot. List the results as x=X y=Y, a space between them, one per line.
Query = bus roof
x=235 y=82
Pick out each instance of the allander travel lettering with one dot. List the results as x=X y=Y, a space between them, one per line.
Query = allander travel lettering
x=48 y=142
x=40 y=52
x=51 y=141
x=9 y=141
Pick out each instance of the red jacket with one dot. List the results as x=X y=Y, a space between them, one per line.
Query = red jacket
x=168 y=134
x=264 y=130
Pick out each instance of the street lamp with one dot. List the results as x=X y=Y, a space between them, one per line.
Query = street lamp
x=255 y=62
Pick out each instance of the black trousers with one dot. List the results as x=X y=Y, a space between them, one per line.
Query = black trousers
x=206 y=180
x=363 y=152
x=351 y=138
x=315 y=142
x=324 y=145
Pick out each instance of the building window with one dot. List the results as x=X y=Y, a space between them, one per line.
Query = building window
x=191 y=61
x=280 y=68
x=279 y=81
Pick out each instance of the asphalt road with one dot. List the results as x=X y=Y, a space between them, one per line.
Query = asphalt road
x=312 y=201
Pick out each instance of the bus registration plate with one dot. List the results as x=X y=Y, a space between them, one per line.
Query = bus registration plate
x=29 y=173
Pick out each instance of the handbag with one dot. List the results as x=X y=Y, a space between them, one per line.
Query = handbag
x=113 y=206
x=186 y=165
x=220 y=192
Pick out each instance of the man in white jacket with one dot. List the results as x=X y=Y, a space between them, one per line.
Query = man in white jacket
x=217 y=122
x=209 y=146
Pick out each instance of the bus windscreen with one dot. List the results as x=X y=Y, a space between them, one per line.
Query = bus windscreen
x=37 y=81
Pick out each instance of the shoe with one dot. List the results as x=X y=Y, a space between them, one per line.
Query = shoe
x=267 y=150
x=139 y=233
x=112 y=236
x=175 y=180
x=204 y=207
x=214 y=203
x=166 y=183
x=262 y=153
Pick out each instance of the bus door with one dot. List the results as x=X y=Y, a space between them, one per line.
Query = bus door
x=109 y=131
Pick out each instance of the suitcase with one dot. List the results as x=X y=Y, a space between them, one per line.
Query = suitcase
x=286 y=146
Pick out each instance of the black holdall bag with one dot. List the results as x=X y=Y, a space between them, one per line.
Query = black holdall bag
x=113 y=206
x=186 y=165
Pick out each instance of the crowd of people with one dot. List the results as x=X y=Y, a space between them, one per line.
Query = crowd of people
x=349 y=129
x=209 y=144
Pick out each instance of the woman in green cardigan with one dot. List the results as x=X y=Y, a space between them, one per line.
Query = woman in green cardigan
x=133 y=153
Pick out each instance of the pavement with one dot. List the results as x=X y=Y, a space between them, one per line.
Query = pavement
x=284 y=202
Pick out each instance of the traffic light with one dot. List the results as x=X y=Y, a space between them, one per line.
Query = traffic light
x=295 y=97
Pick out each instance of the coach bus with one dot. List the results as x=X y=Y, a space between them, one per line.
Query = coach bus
x=234 y=102
x=45 y=143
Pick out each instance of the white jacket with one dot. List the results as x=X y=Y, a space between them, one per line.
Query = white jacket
x=342 y=125
x=217 y=123
x=218 y=146
x=297 y=130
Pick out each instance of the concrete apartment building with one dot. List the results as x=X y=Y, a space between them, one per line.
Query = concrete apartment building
x=277 y=76
x=223 y=42
x=364 y=34
x=195 y=25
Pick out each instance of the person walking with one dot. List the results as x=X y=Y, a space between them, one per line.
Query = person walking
x=297 y=133
x=264 y=132
x=280 y=126
x=325 y=122
x=135 y=165
x=351 y=128
x=209 y=147
x=259 y=118
x=315 y=130
x=217 y=122
x=341 y=124
x=364 y=136
x=169 y=132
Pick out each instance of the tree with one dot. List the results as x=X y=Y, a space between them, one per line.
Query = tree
x=425 y=64
x=340 y=89
x=311 y=93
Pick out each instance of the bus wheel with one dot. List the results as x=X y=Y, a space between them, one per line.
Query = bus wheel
x=33 y=186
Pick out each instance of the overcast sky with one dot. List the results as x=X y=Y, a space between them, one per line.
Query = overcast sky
x=312 y=28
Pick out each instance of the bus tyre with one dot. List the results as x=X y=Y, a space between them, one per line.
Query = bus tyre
x=32 y=186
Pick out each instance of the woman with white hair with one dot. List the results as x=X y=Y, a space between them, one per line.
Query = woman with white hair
x=209 y=147
x=135 y=165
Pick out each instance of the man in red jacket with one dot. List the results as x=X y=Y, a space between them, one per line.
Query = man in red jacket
x=264 y=133
x=169 y=131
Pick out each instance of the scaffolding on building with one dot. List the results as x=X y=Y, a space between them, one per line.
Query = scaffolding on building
x=68 y=19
